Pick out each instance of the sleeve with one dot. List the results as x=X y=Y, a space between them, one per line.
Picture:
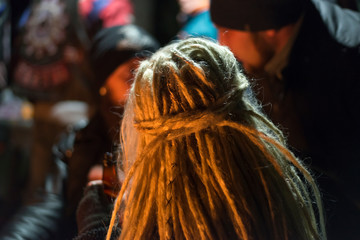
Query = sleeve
x=94 y=214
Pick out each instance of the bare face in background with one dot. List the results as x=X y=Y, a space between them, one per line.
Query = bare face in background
x=115 y=90
x=252 y=49
x=119 y=82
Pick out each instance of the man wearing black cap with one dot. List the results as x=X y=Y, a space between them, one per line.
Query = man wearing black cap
x=305 y=57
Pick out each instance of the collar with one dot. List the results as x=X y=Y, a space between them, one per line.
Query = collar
x=279 y=61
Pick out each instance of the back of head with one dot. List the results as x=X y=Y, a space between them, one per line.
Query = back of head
x=255 y=15
x=204 y=163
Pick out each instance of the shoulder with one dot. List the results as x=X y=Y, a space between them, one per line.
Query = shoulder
x=329 y=36
x=201 y=25
x=342 y=24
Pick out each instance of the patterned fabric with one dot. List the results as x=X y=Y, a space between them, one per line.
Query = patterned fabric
x=50 y=49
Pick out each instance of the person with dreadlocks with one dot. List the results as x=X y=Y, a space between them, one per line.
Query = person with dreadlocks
x=201 y=159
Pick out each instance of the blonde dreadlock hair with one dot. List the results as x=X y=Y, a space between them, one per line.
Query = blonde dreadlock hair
x=202 y=161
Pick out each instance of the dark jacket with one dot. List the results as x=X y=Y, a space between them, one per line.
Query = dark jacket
x=323 y=78
x=87 y=149
x=94 y=214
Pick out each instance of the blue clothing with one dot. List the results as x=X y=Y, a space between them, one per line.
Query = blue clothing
x=199 y=25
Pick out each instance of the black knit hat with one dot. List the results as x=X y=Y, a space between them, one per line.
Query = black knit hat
x=115 y=45
x=255 y=15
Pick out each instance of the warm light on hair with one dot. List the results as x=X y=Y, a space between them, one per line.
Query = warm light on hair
x=202 y=161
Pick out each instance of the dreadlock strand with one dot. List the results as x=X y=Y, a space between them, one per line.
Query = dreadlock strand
x=148 y=179
x=151 y=145
x=308 y=178
x=239 y=224
x=235 y=151
x=186 y=211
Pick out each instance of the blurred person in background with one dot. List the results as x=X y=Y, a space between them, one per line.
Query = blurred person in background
x=114 y=54
x=98 y=14
x=50 y=68
x=194 y=18
x=40 y=69
x=305 y=57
